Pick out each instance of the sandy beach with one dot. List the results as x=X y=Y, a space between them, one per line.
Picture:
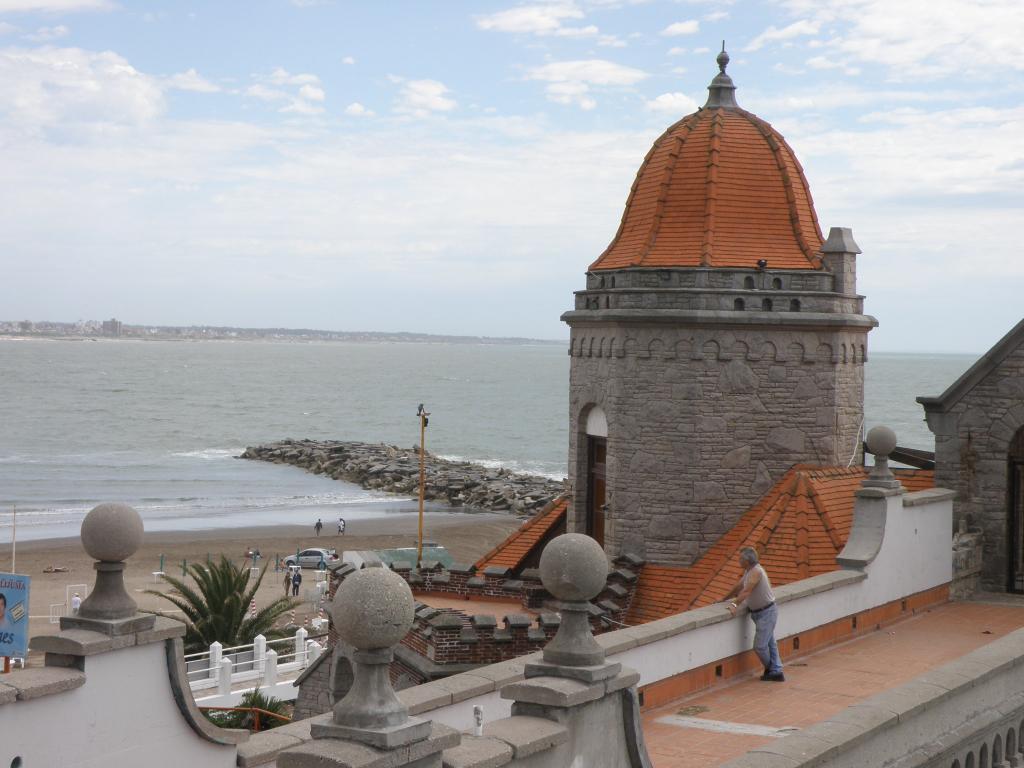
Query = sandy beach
x=466 y=536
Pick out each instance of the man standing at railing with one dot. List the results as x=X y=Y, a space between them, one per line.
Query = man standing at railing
x=756 y=591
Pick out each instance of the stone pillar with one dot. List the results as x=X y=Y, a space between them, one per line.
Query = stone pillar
x=373 y=610
x=594 y=700
x=111 y=533
x=839 y=255
x=871 y=503
x=270 y=669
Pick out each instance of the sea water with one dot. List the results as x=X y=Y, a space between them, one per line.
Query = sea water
x=158 y=424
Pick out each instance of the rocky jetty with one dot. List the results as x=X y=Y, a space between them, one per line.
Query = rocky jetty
x=396 y=470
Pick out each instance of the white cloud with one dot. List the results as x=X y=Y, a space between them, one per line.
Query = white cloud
x=423 y=97
x=594 y=71
x=821 y=62
x=716 y=16
x=54 y=6
x=283 y=77
x=305 y=100
x=773 y=33
x=47 y=88
x=48 y=34
x=355 y=109
x=676 y=51
x=569 y=82
x=312 y=93
x=348 y=60
x=915 y=40
x=700 y=51
x=7 y=29
x=190 y=80
x=682 y=28
x=674 y=103
x=546 y=19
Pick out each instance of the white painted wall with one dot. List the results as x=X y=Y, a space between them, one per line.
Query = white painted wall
x=123 y=717
x=915 y=555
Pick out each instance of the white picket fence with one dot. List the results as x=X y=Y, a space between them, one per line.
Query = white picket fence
x=218 y=677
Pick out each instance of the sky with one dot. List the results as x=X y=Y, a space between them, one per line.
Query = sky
x=453 y=167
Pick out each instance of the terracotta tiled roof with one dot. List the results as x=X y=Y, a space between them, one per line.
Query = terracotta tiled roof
x=720 y=188
x=513 y=551
x=798 y=527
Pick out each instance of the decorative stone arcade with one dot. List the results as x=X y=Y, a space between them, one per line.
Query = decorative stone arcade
x=720 y=338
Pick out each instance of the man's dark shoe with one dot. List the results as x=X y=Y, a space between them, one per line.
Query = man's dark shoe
x=764 y=675
x=774 y=677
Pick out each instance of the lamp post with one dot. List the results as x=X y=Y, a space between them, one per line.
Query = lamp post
x=423 y=414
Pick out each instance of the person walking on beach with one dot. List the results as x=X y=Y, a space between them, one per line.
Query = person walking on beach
x=756 y=591
x=318 y=527
x=287 y=581
x=296 y=581
x=341 y=526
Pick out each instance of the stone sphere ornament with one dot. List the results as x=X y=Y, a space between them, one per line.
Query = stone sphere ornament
x=373 y=608
x=573 y=567
x=881 y=440
x=112 y=532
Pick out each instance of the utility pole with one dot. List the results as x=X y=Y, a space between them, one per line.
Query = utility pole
x=423 y=414
x=14 y=539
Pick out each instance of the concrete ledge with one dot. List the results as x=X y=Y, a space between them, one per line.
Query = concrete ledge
x=527 y=735
x=87 y=642
x=339 y=753
x=262 y=748
x=36 y=682
x=553 y=692
x=477 y=752
x=928 y=496
x=7 y=694
x=817 y=584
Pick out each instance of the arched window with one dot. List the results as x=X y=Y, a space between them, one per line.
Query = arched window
x=766 y=305
x=748 y=282
x=597 y=451
x=777 y=283
x=969 y=760
x=739 y=305
x=983 y=756
x=794 y=305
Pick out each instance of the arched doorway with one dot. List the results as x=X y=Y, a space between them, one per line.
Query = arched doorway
x=1015 y=511
x=597 y=453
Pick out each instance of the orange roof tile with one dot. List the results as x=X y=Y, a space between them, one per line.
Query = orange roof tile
x=513 y=551
x=798 y=527
x=720 y=188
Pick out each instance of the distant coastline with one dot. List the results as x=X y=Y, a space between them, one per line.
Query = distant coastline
x=95 y=331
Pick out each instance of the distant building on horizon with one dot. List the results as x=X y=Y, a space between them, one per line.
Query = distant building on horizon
x=111 y=327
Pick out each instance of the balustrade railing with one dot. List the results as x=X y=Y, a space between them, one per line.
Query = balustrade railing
x=262 y=660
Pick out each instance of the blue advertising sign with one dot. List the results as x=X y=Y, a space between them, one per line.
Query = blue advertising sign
x=13 y=614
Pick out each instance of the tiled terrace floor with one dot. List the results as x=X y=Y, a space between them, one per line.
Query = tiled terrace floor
x=736 y=717
x=496 y=608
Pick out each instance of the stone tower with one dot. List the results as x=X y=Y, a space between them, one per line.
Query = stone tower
x=719 y=340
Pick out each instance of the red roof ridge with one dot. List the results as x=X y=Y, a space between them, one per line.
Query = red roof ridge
x=546 y=518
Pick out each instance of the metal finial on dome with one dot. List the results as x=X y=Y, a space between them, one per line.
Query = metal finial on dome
x=722 y=92
x=723 y=59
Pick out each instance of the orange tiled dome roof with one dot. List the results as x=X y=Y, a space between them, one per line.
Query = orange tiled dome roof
x=720 y=188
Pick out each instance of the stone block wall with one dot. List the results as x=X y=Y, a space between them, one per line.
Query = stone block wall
x=702 y=421
x=972 y=443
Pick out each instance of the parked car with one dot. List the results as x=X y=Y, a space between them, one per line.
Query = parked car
x=312 y=558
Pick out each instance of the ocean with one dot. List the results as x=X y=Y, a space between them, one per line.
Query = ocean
x=157 y=424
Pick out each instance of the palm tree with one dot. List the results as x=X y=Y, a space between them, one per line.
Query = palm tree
x=217 y=608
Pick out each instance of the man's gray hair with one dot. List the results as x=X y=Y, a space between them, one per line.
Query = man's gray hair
x=749 y=554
